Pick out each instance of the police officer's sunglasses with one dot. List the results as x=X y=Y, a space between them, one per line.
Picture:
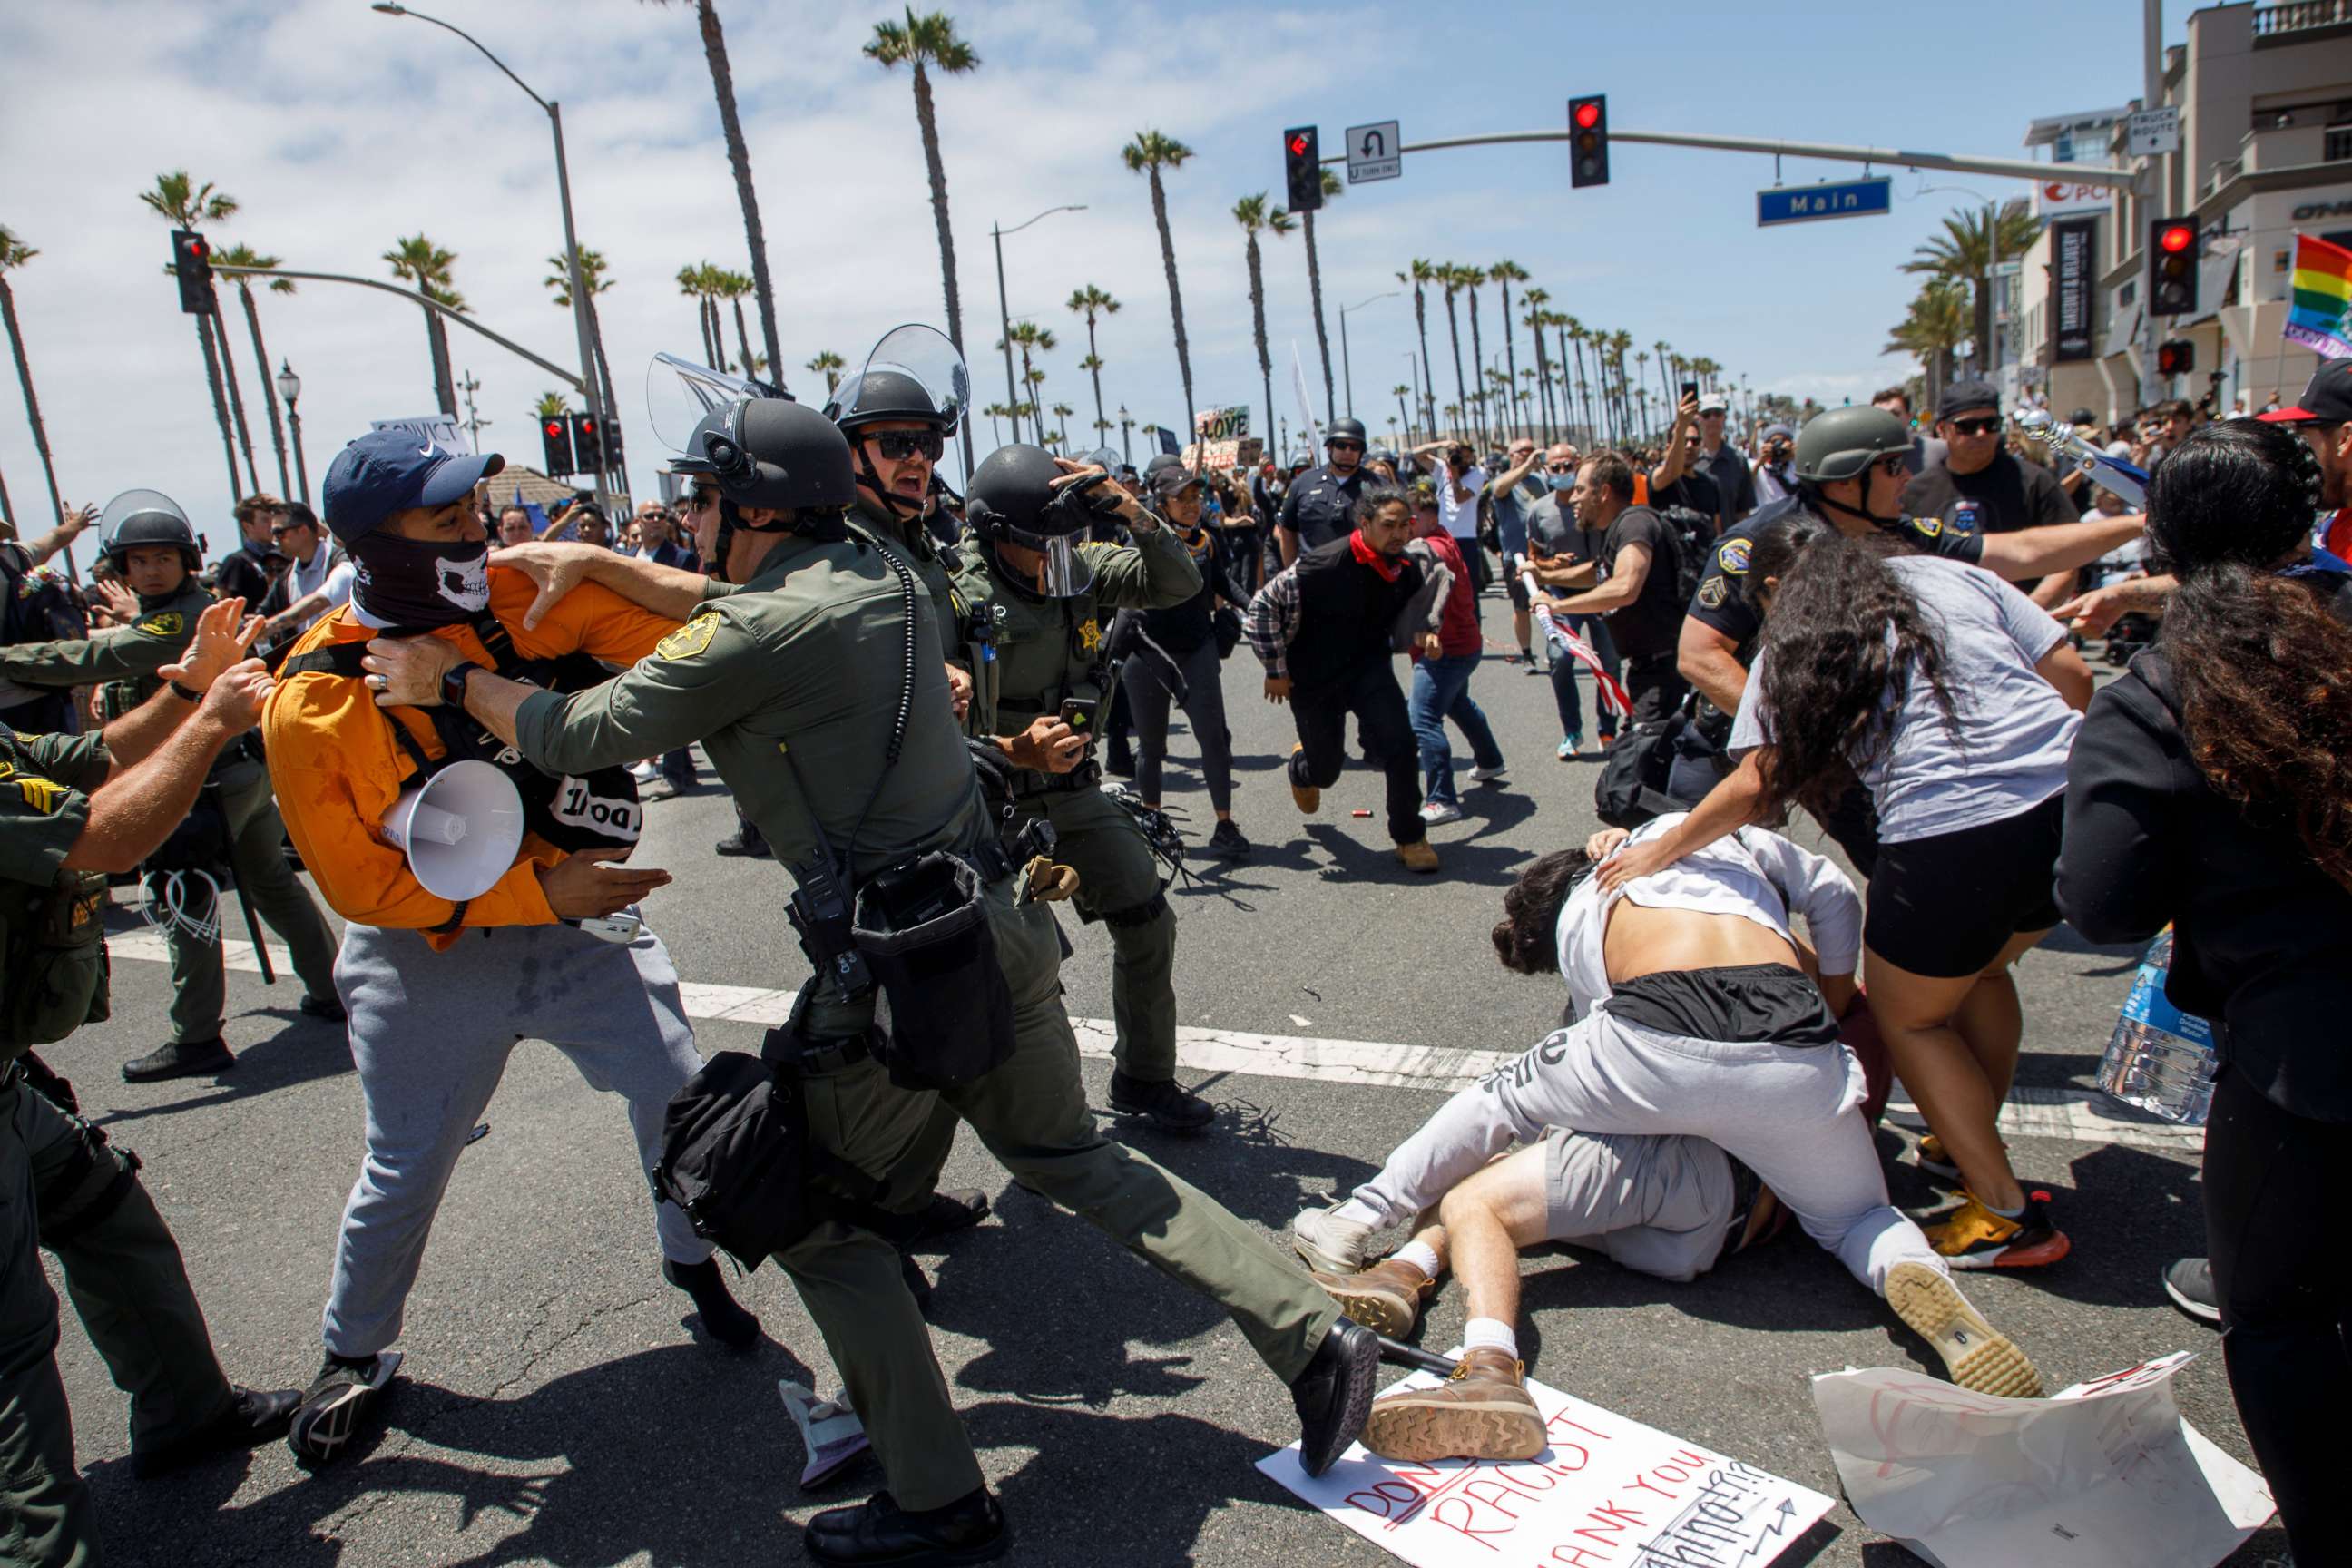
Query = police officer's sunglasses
x=1987 y=426
x=897 y=445
x=1345 y=445
x=697 y=497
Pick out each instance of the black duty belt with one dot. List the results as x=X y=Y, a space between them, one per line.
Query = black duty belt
x=1028 y=783
x=832 y=1058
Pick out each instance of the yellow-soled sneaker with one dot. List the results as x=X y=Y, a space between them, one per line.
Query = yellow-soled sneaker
x=1977 y=1355
x=1973 y=1236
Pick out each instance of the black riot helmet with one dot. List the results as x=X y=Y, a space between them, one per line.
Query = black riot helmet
x=771 y=454
x=147 y=517
x=913 y=376
x=1014 y=500
x=1345 y=430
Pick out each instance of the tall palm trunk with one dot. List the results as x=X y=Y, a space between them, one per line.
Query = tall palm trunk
x=1510 y=343
x=743 y=338
x=1095 y=370
x=1030 y=400
x=1175 y=298
x=220 y=406
x=33 y=409
x=1478 y=359
x=236 y=395
x=929 y=121
x=712 y=354
x=1453 y=330
x=1322 y=337
x=1543 y=383
x=716 y=329
x=738 y=159
x=1257 y=323
x=1428 y=392
x=268 y=388
x=437 y=349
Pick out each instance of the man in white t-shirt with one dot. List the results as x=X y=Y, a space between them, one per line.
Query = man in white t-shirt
x=1459 y=481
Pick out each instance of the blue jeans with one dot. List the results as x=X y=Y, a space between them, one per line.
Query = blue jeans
x=1441 y=690
x=1595 y=629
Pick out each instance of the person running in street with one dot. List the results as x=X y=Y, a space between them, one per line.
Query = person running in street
x=1325 y=630
x=1446 y=647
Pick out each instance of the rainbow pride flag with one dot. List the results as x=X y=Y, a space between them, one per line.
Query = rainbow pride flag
x=2319 y=297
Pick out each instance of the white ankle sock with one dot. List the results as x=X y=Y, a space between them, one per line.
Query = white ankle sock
x=1356 y=1211
x=1490 y=1334
x=1421 y=1256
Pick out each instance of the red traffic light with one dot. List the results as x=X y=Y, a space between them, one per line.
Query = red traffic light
x=554 y=430
x=587 y=426
x=2176 y=238
x=1298 y=144
x=1588 y=115
x=196 y=247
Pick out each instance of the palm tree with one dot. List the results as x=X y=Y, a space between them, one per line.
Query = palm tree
x=731 y=287
x=416 y=259
x=738 y=159
x=1619 y=342
x=1508 y=273
x=1972 y=240
x=1535 y=320
x=1332 y=190
x=1452 y=279
x=13 y=254
x=1401 y=392
x=245 y=256
x=1471 y=277
x=829 y=365
x=693 y=281
x=593 y=283
x=994 y=412
x=1252 y=214
x=1090 y=302
x=1940 y=319
x=1029 y=338
x=1150 y=153
x=929 y=43
x=1420 y=275
x=181 y=203
x=1062 y=411
x=551 y=405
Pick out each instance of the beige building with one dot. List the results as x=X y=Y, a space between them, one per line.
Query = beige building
x=2264 y=96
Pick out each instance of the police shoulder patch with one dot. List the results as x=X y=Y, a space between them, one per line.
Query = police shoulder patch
x=41 y=794
x=1732 y=556
x=1927 y=527
x=1713 y=591
x=163 y=624
x=690 y=638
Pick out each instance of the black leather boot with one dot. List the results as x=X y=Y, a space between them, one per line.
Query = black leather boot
x=969 y=1530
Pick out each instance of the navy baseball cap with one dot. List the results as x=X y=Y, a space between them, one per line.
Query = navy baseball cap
x=385 y=471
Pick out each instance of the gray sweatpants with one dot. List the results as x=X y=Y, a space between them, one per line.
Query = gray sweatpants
x=1658 y=1205
x=1791 y=1113
x=430 y=1035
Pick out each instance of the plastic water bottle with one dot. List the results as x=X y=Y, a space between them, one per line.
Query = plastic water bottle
x=2159 y=1059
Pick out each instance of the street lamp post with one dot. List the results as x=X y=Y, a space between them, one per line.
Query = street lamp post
x=590 y=389
x=1004 y=311
x=289 y=387
x=1346 y=373
x=1126 y=446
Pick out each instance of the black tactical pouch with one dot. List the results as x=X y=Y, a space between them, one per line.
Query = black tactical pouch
x=942 y=1010
x=58 y=970
x=738 y=1161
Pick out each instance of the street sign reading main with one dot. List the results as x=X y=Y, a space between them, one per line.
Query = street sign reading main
x=1873 y=197
x=1373 y=152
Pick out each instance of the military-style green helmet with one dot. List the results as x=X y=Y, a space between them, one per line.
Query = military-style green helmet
x=1842 y=443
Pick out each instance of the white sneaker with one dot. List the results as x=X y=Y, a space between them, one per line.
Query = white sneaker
x=1327 y=1242
x=1437 y=813
x=1488 y=775
x=645 y=772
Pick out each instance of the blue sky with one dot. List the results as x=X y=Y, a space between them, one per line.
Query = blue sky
x=341 y=129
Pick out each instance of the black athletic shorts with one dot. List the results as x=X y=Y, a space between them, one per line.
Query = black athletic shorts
x=1945 y=906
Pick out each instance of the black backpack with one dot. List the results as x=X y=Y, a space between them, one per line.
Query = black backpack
x=1632 y=786
x=737 y=1159
x=1693 y=531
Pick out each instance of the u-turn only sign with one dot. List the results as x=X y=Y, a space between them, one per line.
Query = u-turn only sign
x=1373 y=152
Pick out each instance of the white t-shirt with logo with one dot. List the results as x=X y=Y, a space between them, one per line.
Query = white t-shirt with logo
x=1460 y=517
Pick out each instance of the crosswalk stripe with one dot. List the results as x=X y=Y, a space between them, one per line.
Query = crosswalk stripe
x=2071 y=1115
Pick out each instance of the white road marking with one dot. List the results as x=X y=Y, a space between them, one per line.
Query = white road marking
x=2071 y=1115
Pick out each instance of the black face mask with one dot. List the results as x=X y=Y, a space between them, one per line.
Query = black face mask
x=409 y=583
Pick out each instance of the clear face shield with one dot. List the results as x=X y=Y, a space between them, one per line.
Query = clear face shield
x=680 y=393
x=926 y=355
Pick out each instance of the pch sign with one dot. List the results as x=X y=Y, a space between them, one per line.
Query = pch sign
x=1873 y=197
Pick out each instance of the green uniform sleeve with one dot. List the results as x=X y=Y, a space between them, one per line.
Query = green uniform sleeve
x=119 y=653
x=702 y=676
x=715 y=588
x=77 y=762
x=1152 y=573
x=40 y=819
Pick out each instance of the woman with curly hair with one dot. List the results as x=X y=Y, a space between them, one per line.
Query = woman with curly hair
x=2212 y=788
x=1955 y=700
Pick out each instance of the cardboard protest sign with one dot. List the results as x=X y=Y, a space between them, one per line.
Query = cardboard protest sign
x=1607 y=1493
x=2102 y=1475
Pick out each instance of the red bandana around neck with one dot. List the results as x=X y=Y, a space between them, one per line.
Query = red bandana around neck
x=1386 y=568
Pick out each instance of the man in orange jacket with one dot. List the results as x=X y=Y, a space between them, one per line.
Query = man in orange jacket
x=439 y=993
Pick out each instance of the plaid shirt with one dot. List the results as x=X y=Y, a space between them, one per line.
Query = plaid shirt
x=1274 y=622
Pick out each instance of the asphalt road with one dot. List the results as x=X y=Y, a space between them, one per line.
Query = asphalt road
x=557 y=1408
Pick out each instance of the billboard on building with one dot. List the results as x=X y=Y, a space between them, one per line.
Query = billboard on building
x=2073 y=266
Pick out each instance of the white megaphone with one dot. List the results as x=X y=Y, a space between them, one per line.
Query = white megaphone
x=460 y=829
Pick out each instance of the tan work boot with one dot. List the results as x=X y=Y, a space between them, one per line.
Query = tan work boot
x=1418 y=856
x=1978 y=1355
x=1482 y=1411
x=1309 y=798
x=1385 y=1297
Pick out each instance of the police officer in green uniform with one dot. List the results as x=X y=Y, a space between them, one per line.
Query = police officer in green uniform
x=818 y=695
x=1038 y=604
x=149 y=540
x=72 y=809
